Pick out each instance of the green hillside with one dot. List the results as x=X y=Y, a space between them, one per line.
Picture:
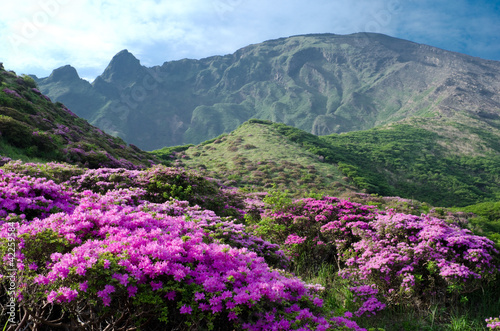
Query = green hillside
x=401 y=159
x=33 y=128
x=257 y=156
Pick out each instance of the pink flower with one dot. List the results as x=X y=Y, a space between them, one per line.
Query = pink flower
x=83 y=286
x=186 y=309
x=122 y=278
x=294 y=239
x=104 y=294
x=156 y=286
x=318 y=302
x=170 y=295
x=132 y=290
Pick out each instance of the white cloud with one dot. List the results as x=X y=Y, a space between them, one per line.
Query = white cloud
x=37 y=36
x=47 y=33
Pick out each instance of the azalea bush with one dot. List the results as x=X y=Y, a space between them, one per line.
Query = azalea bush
x=164 y=183
x=389 y=258
x=117 y=261
x=418 y=261
x=29 y=197
x=164 y=248
x=298 y=227
x=493 y=323
x=58 y=172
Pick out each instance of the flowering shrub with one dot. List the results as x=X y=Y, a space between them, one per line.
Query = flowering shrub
x=12 y=93
x=298 y=226
x=493 y=323
x=163 y=183
x=418 y=259
x=30 y=197
x=58 y=172
x=116 y=262
x=390 y=258
x=235 y=235
x=105 y=179
x=3 y=159
x=129 y=253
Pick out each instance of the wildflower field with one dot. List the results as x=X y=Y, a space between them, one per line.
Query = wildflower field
x=168 y=249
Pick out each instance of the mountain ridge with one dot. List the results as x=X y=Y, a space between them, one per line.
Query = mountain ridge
x=321 y=83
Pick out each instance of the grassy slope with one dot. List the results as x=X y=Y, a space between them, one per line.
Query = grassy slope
x=256 y=156
x=402 y=159
x=35 y=129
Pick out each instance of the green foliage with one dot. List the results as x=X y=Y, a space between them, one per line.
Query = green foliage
x=15 y=132
x=406 y=161
x=34 y=128
x=313 y=82
x=29 y=81
x=277 y=199
x=487 y=220
x=489 y=210
x=166 y=153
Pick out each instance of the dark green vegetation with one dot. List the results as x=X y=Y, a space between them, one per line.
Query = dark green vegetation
x=322 y=84
x=34 y=128
x=397 y=160
x=485 y=219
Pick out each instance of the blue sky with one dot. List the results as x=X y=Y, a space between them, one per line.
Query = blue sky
x=37 y=36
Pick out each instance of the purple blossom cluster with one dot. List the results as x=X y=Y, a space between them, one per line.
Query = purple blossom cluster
x=94 y=242
x=163 y=183
x=415 y=258
x=493 y=323
x=30 y=197
x=3 y=159
x=119 y=252
x=103 y=180
x=294 y=239
x=236 y=235
x=12 y=93
x=69 y=112
x=389 y=257
x=58 y=172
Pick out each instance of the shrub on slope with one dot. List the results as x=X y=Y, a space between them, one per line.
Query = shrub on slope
x=119 y=261
x=389 y=258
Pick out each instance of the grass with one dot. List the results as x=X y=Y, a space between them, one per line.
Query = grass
x=469 y=315
x=256 y=156
x=410 y=160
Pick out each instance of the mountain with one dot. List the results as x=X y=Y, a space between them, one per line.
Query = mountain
x=322 y=84
x=33 y=128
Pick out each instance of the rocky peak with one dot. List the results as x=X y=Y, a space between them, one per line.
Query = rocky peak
x=63 y=74
x=124 y=65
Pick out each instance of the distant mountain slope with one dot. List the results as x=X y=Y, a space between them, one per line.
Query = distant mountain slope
x=322 y=84
x=404 y=159
x=34 y=128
